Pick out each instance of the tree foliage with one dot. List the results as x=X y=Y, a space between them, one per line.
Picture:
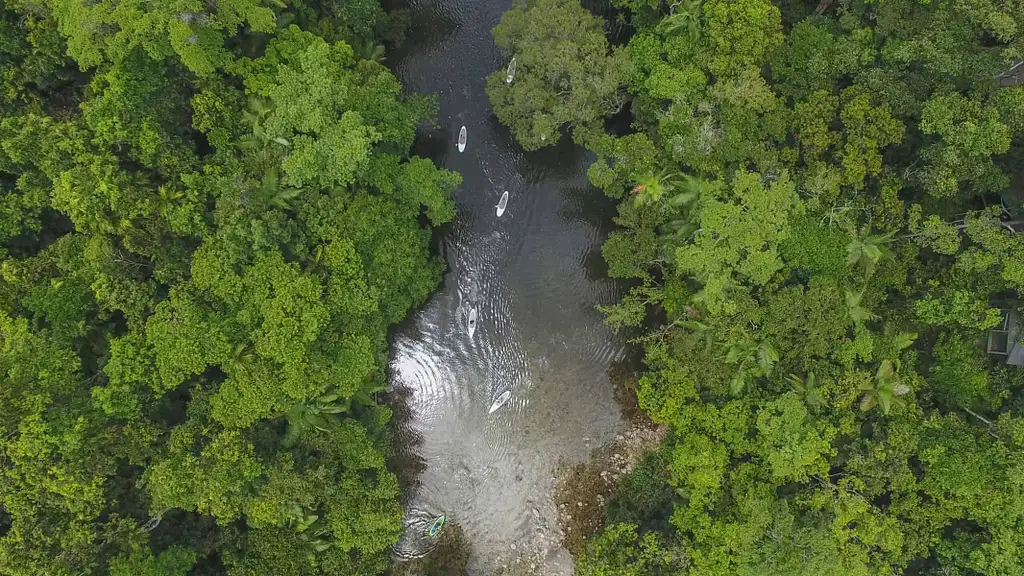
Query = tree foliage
x=210 y=221
x=818 y=207
x=566 y=73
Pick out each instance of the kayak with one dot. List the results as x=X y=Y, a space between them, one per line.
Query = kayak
x=472 y=322
x=500 y=401
x=511 y=72
x=502 y=203
x=462 y=139
x=436 y=526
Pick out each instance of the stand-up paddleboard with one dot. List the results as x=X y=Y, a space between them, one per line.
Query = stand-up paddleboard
x=511 y=72
x=436 y=526
x=502 y=203
x=462 y=139
x=500 y=401
x=472 y=322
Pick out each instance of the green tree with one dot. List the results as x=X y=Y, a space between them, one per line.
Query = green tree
x=967 y=136
x=740 y=33
x=621 y=551
x=566 y=73
x=210 y=224
x=854 y=227
x=806 y=388
x=884 y=391
x=741 y=225
x=110 y=32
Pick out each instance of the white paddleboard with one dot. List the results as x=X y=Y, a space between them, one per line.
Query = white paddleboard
x=500 y=401
x=511 y=72
x=502 y=204
x=462 y=139
x=471 y=325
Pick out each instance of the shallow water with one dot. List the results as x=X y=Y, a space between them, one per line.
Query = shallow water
x=533 y=276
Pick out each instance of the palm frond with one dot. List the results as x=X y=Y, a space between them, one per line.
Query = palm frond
x=767 y=356
x=738 y=382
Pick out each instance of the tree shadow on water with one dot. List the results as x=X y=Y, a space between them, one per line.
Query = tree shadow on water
x=404 y=459
x=449 y=557
x=594 y=264
x=590 y=206
x=565 y=161
x=432 y=142
x=427 y=26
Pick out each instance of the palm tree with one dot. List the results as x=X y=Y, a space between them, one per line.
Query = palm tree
x=652 y=188
x=901 y=340
x=857 y=313
x=753 y=360
x=254 y=115
x=884 y=390
x=701 y=330
x=301 y=519
x=807 y=390
x=370 y=50
x=680 y=194
x=317 y=413
x=272 y=193
x=259 y=140
x=169 y=197
x=367 y=393
x=684 y=19
x=241 y=357
x=678 y=229
x=867 y=250
x=311 y=529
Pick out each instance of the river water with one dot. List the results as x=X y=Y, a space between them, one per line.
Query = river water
x=533 y=276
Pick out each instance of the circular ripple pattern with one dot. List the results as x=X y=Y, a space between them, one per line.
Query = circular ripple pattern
x=533 y=277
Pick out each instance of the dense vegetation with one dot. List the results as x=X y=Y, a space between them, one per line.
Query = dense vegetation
x=816 y=217
x=209 y=220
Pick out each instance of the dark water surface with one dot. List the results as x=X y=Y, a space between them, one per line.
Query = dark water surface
x=533 y=276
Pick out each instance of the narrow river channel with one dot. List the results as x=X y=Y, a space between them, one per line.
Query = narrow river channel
x=533 y=276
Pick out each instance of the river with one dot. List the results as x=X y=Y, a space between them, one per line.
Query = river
x=534 y=277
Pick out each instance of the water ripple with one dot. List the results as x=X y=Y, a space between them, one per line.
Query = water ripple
x=531 y=276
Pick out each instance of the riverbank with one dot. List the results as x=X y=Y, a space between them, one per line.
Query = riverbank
x=583 y=490
x=581 y=494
